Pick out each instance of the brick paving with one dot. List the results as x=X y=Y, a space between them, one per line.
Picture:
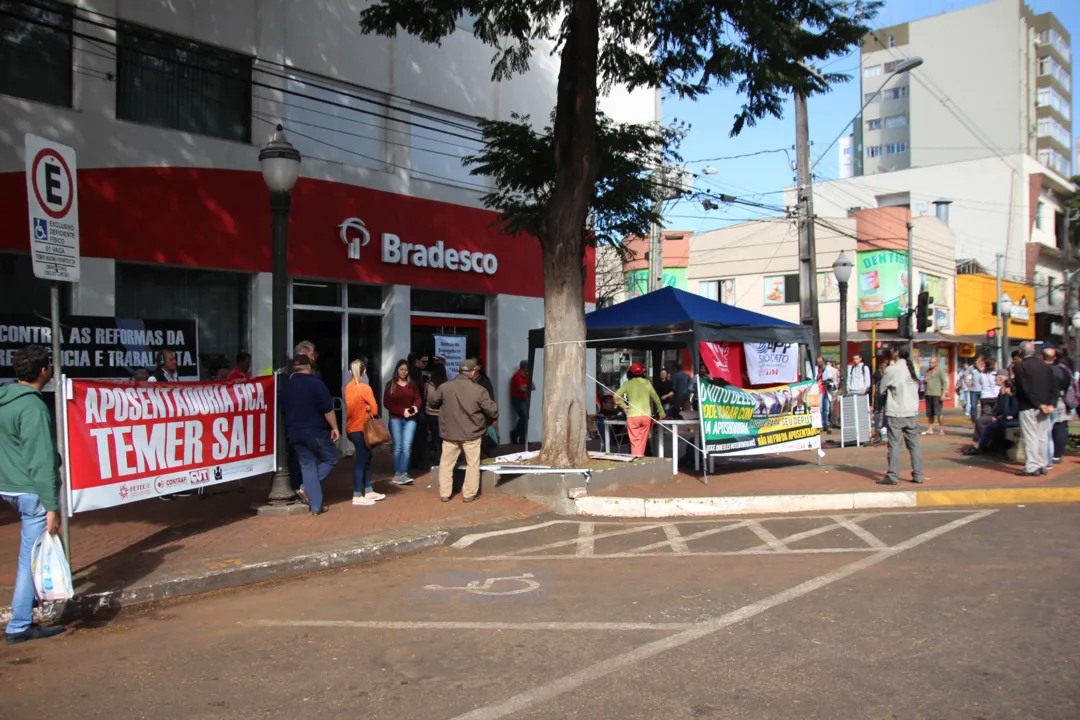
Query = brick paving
x=152 y=540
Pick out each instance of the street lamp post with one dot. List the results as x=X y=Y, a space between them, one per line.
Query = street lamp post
x=842 y=270
x=1005 y=308
x=280 y=164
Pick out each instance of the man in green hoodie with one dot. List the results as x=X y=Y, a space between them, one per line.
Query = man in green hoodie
x=29 y=478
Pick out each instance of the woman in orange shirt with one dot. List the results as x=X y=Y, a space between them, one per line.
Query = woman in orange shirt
x=360 y=406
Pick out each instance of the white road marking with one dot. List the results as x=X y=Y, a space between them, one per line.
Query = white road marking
x=594 y=538
x=766 y=537
x=687 y=538
x=470 y=539
x=571 y=682
x=674 y=539
x=852 y=526
x=635 y=554
x=586 y=542
x=475 y=587
x=422 y=625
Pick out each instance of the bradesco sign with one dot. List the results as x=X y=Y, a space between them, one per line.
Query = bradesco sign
x=435 y=255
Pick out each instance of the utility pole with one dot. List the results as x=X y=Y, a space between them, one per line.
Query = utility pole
x=997 y=304
x=911 y=304
x=808 y=300
x=656 y=241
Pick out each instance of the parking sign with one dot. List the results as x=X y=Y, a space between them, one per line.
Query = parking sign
x=53 y=198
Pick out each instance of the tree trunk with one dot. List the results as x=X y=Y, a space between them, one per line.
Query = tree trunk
x=576 y=168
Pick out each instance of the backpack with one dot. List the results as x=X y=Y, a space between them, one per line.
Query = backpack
x=1072 y=397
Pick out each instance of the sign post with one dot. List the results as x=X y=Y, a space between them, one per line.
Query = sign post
x=52 y=195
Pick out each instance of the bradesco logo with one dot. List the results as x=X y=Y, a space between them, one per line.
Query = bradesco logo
x=355 y=235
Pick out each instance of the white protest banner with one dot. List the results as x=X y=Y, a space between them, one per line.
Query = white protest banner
x=771 y=363
x=133 y=441
x=451 y=347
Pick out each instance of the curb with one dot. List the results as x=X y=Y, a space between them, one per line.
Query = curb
x=88 y=605
x=755 y=504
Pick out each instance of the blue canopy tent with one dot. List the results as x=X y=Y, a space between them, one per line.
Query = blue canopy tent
x=671 y=319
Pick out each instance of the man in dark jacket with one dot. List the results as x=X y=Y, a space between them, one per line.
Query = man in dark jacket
x=311 y=429
x=29 y=478
x=1034 y=390
x=465 y=411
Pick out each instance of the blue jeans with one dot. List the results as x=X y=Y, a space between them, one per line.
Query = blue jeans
x=402 y=432
x=826 y=406
x=317 y=458
x=973 y=403
x=520 y=432
x=33 y=524
x=361 y=473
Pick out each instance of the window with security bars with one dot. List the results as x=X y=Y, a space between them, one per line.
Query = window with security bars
x=175 y=83
x=35 y=51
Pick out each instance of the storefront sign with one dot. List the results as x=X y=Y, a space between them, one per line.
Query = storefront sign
x=773 y=420
x=103 y=347
x=883 y=284
x=355 y=235
x=975 y=311
x=771 y=362
x=129 y=442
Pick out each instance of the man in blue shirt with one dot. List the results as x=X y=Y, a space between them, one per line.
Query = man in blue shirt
x=310 y=428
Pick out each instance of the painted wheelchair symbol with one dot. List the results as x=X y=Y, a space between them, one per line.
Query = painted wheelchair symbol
x=527 y=583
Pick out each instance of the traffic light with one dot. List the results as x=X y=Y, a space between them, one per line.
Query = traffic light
x=925 y=313
x=991 y=338
x=903 y=325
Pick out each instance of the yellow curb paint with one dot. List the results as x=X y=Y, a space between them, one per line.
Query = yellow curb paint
x=997 y=496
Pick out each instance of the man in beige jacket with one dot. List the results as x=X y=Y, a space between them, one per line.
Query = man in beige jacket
x=465 y=411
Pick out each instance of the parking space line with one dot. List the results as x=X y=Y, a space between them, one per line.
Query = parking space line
x=586 y=544
x=766 y=537
x=568 y=683
x=852 y=526
x=674 y=539
x=760 y=550
x=476 y=537
x=592 y=539
x=687 y=538
x=434 y=625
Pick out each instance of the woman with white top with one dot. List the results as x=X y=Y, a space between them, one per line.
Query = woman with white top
x=988 y=386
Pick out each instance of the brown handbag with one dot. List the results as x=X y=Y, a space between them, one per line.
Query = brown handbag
x=375 y=431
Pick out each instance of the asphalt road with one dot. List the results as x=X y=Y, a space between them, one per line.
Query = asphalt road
x=958 y=614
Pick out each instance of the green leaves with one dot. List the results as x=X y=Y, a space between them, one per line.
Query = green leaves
x=521 y=162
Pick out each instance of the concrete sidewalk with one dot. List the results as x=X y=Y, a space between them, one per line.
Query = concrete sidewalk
x=153 y=550
x=845 y=480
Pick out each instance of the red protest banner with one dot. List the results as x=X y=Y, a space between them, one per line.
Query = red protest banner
x=132 y=441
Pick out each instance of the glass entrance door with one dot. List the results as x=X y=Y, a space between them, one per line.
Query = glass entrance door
x=324 y=329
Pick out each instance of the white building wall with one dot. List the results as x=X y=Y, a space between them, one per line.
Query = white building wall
x=95 y=293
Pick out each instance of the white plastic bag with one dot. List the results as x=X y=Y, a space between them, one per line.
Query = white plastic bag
x=49 y=565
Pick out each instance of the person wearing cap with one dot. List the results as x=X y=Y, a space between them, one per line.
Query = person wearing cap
x=637 y=397
x=520 y=385
x=465 y=411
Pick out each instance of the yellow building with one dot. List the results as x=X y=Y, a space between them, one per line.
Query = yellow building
x=974 y=311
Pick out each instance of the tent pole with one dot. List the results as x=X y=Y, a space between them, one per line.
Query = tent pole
x=529 y=390
x=695 y=353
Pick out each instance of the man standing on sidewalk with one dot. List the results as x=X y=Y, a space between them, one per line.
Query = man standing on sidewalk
x=29 y=478
x=520 y=384
x=900 y=384
x=310 y=428
x=1034 y=389
x=465 y=411
x=937 y=389
x=858 y=382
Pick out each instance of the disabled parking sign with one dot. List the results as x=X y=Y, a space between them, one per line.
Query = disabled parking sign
x=53 y=198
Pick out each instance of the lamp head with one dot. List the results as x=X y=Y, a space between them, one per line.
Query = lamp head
x=280 y=163
x=1005 y=304
x=842 y=268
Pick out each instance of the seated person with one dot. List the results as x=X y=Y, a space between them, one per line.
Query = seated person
x=984 y=421
x=608 y=411
x=1006 y=415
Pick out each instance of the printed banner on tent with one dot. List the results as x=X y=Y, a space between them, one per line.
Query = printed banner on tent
x=723 y=359
x=768 y=363
x=753 y=422
x=451 y=347
x=128 y=442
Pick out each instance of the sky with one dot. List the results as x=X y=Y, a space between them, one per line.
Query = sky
x=760 y=178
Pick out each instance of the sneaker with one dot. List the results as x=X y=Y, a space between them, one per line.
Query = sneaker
x=403 y=480
x=372 y=495
x=886 y=481
x=362 y=500
x=34 y=632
